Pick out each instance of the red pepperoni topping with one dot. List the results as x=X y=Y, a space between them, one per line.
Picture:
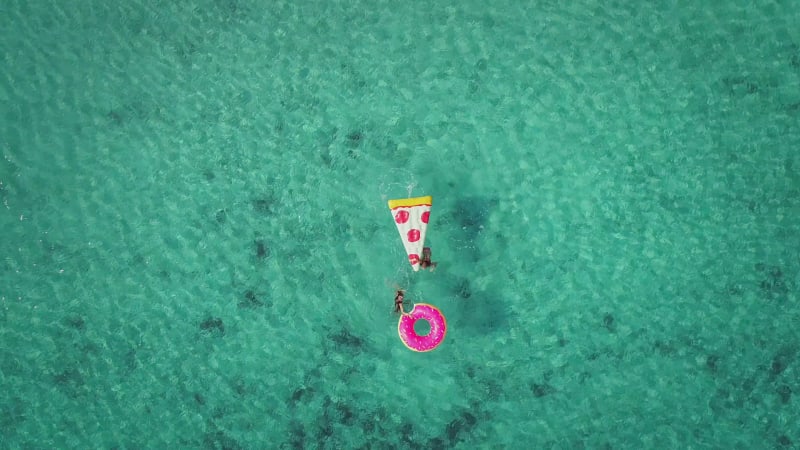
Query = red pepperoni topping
x=401 y=216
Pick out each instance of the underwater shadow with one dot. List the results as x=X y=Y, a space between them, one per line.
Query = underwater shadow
x=479 y=310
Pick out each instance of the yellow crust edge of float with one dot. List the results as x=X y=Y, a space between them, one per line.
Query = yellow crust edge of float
x=444 y=333
x=409 y=202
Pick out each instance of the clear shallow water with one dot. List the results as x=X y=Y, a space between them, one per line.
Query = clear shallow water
x=197 y=253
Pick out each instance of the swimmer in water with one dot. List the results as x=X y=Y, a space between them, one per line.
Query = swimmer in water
x=398 y=301
x=426 y=259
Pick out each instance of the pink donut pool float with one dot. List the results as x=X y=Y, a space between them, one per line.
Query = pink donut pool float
x=428 y=342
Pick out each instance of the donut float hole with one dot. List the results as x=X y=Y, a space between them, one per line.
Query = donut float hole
x=422 y=327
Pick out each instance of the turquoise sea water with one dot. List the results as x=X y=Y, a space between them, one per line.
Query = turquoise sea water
x=196 y=250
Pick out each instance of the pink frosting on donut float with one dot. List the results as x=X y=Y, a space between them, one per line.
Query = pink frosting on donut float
x=412 y=340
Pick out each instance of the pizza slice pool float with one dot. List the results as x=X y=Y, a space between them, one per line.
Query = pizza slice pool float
x=411 y=216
